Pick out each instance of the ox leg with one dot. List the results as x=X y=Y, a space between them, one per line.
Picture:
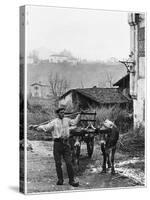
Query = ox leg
x=112 y=160
x=77 y=147
x=108 y=160
x=78 y=156
x=104 y=158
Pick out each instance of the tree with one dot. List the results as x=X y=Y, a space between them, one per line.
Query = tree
x=102 y=84
x=82 y=85
x=108 y=82
x=58 y=86
x=109 y=79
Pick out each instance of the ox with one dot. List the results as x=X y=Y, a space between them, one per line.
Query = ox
x=75 y=143
x=109 y=136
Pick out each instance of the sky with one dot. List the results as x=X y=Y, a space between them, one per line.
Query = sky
x=88 y=34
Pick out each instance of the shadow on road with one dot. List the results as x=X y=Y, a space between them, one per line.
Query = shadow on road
x=85 y=162
x=14 y=188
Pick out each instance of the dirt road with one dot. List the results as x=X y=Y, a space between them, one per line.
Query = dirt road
x=41 y=174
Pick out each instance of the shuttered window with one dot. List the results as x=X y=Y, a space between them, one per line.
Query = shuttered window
x=141 y=42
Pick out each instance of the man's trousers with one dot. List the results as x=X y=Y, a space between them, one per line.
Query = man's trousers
x=62 y=149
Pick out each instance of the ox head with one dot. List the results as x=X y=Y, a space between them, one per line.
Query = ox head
x=77 y=142
x=105 y=130
x=103 y=139
x=108 y=124
x=75 y=148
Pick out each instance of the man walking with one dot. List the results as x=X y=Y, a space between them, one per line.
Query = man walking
x=60 y=127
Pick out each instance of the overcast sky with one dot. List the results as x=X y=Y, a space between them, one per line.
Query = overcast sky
x=88 y=34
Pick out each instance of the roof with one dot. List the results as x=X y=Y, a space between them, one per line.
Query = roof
x=60 y=55
x=101 y=95
x=64 y=56
x=42 y=85
x=122 y=80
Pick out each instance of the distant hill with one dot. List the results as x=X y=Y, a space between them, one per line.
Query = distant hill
x=87 y=75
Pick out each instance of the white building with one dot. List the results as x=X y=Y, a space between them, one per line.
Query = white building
x=60 y=58
x=137 y=69
x=39 y=90
x=57 y=58
x=30 y=60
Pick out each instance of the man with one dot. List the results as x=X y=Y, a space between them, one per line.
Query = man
x=60 y=127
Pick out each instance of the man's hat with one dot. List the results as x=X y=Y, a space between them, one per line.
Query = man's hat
x=59 y=109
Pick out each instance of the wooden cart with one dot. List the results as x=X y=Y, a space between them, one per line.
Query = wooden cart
x=86 y=131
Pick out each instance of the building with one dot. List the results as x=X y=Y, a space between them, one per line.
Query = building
x=30 y=60
x=57 y=58
x=39 y=90
x=94 y=97
x=137 y=65
x=63 y=57
x=124 y=86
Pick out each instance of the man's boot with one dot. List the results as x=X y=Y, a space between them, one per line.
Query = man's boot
x=74 y=184
x=59 y=182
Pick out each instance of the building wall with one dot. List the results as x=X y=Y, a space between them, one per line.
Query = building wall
x=57 y=59
x=137 y=79
x=60 y=59
x=39 y=91
x=36 y=91
x=67 y=100
x=46 y=92
x=76 y=100
x=30 y=60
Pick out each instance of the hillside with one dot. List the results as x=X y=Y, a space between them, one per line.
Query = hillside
x=87 y=75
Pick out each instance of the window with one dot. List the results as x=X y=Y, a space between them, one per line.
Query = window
x=141 y=41
x=36 y=88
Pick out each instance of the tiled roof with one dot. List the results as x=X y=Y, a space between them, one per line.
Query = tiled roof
x=101 y=95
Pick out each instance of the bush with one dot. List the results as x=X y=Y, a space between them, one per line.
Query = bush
x=119 y=116
x=133 y=142
x=139 y=131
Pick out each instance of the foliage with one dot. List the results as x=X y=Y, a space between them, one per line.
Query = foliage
x=119 y=116
x=133 y=142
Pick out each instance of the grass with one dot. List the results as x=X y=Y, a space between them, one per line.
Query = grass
x=133 y=142
x=119 y=116
x=39 y=111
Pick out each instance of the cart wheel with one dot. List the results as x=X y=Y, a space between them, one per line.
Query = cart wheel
x=90 y=147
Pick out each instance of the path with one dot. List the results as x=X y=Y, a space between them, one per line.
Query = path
x=42 y=175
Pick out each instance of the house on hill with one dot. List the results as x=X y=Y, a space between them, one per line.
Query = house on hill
x=39 y=90
x=64 y=56
x=94 y=97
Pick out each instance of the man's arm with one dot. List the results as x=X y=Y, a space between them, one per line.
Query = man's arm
x=74 y=122
x=46 y=127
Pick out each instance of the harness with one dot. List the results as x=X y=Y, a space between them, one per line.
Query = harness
x=62 y=140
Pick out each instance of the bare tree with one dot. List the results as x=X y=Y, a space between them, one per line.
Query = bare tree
x=109 y=79
x=58 y=86
x=82 y=85
x=102 y=84
x=108 y=82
